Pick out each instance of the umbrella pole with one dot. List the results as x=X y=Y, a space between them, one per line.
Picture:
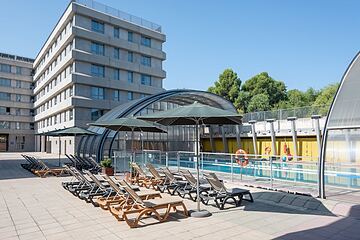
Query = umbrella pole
x=198 y=213
x=197 y=165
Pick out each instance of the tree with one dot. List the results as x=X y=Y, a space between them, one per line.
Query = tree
x=326 y=95
x=259 y=102
x=227 y=86
x=264 y=84
x=297 y=98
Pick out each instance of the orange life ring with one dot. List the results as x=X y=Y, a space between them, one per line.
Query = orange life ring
x=241 y=157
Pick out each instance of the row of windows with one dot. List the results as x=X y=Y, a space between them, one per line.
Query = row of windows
x=5 y=82
x=18 y=97
x=99 y=27
x=54 y=45
x=16 y=125
x=55 y=100
x=99 y=49
x=6 y=68
x=16 y=111
x=99 y=71
x=56 y=80
x=99 y=94
x=56 y=119
x=54 y=63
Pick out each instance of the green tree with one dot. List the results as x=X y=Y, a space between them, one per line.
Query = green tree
x=325 y=98
x=326 y=95
x=297 y=98
x=264 y=84
x=259 y=102
x=227 y=86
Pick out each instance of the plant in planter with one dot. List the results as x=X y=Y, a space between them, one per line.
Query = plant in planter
x=107 y=168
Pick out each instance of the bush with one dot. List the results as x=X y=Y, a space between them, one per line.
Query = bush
x=107 y=163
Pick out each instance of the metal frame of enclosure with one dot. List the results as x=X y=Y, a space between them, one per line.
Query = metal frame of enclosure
x=177 y=138
x=339 y=162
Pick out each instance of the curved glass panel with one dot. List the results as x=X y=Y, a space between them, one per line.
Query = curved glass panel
x=340 y=157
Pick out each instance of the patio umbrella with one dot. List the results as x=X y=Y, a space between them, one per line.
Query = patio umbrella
x=195 y=114
x=72 y=131
x=129 y=124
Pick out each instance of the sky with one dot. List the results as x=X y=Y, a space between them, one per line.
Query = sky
x=303 y=43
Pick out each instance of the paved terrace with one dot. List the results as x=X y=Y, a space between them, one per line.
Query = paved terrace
x=36 y=208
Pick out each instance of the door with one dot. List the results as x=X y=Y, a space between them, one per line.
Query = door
x=4 y=142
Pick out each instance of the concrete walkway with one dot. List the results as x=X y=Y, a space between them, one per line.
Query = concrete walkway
x=35 y=208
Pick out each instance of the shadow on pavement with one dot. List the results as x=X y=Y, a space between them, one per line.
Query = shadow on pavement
x=348 y=228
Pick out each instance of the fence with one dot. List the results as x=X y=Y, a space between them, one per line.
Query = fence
x=270 y=172
x=283 y=114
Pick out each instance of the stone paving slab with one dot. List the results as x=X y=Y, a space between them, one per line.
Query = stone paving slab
x=36 y=208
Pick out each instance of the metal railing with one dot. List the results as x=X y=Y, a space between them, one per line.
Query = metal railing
x=271 y=172
x=283 y=114
x=119 y=14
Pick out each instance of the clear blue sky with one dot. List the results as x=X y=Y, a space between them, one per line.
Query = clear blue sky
x=303 y=43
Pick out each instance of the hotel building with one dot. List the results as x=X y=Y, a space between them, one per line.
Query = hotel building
x=95 y=58
x=16 y=104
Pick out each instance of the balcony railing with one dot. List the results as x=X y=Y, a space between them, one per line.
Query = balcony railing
x=119 y=14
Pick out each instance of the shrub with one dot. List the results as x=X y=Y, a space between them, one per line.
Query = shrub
x=107 y=163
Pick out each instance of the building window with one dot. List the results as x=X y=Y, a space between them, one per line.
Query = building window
x=17 y=125
x=116 y=95
x=96 y=114
x=97 y=26
x=142 y=95
x=5 y=96
x=18 y=84
x=146 y=41
x=97 y=70
x=4 y=82
x=4 y=111
x=130 y=95
x=18 y=97
x=145 y=79
x=116 y=32
x=116 y=74
x=130 y=77
x=71 y=116
x=70 y=92
x=4 y=125
x=32 y=127
x=18 y=70
x=97 y=93
x=97 y=48
x=130 y=36
x=17 y=112
x=130 y=56
x=146 y=61
x=116 y=53
x=5 y=68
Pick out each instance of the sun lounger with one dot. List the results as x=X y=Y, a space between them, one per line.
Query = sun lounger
x=172 y=184
x=149 y=208
x=120 y=196
x=221 y=195
x=190 y=188
x=142 y=179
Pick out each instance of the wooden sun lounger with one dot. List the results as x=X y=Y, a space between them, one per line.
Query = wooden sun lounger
x=149 y=208
x=116 y=201
x=143 y=180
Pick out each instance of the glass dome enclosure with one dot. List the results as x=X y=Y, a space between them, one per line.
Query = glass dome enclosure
x=177 y=138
